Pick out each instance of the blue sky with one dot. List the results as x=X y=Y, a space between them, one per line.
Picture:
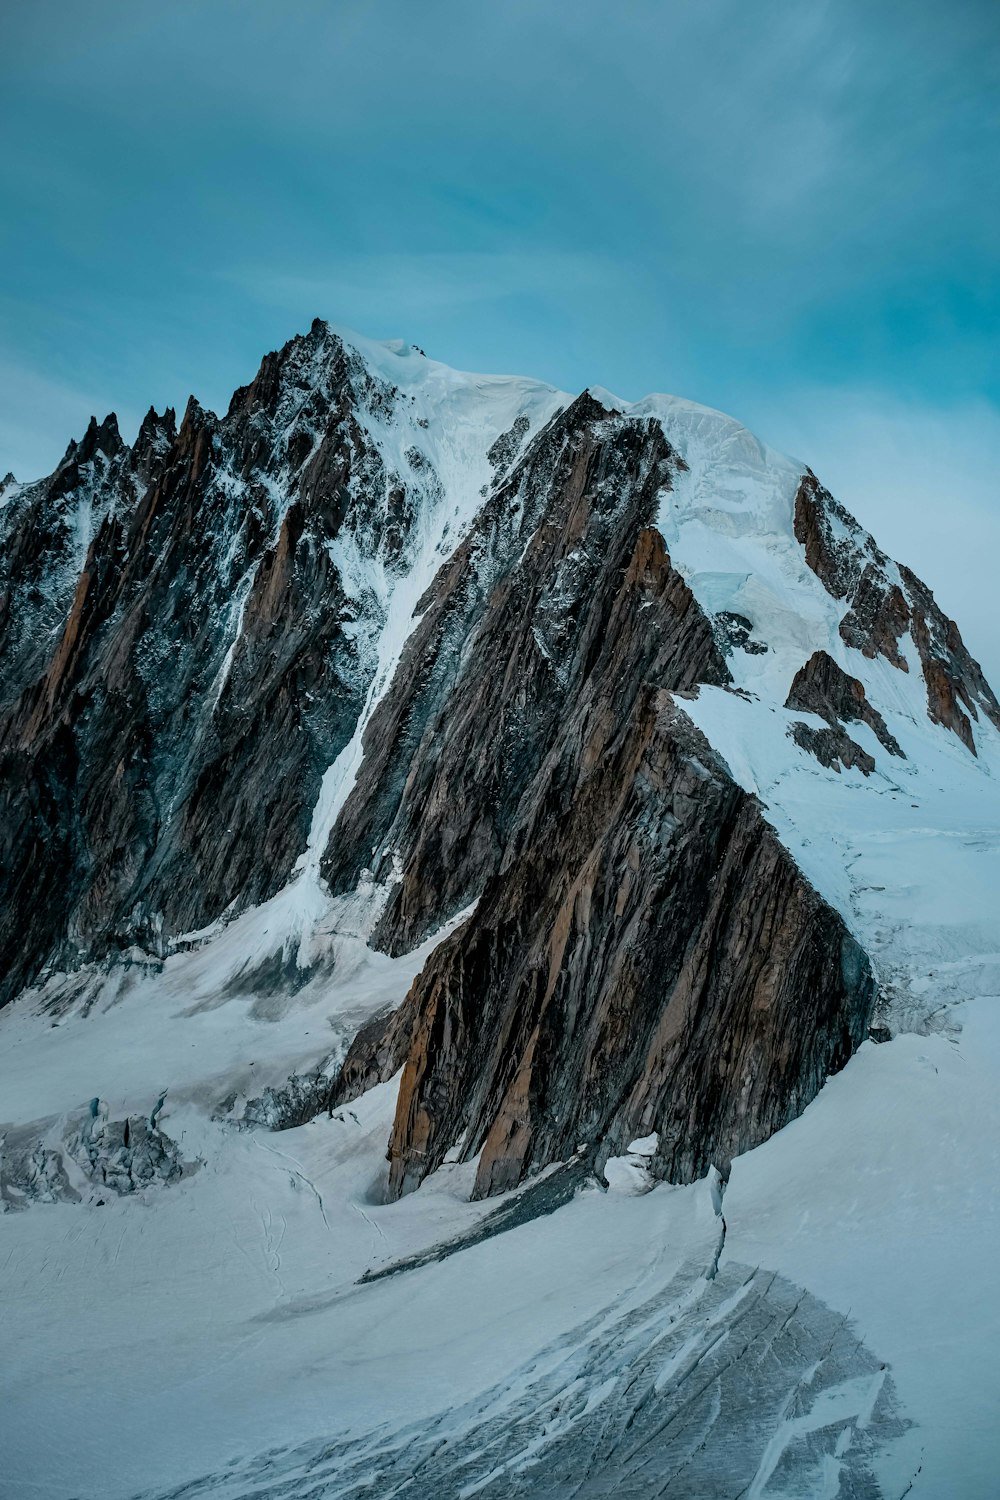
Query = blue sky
x=788 y=210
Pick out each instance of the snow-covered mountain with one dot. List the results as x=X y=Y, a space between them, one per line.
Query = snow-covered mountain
x=569 y=796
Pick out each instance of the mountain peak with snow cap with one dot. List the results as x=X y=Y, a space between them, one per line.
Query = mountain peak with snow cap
x=428 y=797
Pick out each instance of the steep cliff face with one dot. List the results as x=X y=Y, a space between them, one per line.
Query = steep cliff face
x=47 y=530
x=196 y=619
x=647 y=959
x=556 y=791
x=192 y=627
x=641 y=947
x=540 y=605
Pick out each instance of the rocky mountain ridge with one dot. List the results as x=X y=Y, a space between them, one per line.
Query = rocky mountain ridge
x=387 y=629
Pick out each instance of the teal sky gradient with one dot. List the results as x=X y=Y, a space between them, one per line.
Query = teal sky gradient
x=784 y=208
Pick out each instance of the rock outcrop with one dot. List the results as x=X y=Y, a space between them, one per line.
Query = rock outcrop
x=886 y=605
x=833 y=748
x=377 y=1053
x=822 y=687
x=530 y=758
x=734 y=632
x=481 y=631
x=640 y=940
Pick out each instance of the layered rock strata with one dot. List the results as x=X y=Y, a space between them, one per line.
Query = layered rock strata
x=647 y=958
x=561 y=586
x=643 y=956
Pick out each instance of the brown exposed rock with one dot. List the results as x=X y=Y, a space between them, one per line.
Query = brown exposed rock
x=833 y=748
x=647 y=957
x=822 y=687
x=878 y=617
x=954 y=679
x=944 y=702
x=833 y=540
x=643 y=954
x=642 y=947
x=47 y=532
x=377 y=1053
x=562 y=573
x=881 y=610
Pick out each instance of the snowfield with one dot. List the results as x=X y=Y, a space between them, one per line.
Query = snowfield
x=827 y=1324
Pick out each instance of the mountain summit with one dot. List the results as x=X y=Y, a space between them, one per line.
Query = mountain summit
x=558 y=789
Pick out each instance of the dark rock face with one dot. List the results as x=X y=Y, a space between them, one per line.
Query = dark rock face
x=834 y=543
x=833 y=748
x=643 y=956
x=878 y=618
x=647 y=958
x=956 y=687
x=183 y=660
x=734 y=631
x=822 y=687
x=641 y=943
x=531 y=612
x=46 y=529
x=191 y=627
x=884 y=603
x=377 y=1053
